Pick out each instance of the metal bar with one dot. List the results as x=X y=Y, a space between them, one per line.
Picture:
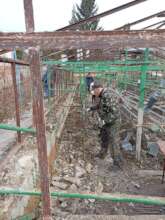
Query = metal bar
x=9 y=60
x=19 y=129
x=99 y=62
x=123 y=198
x=52 y=54
x=162 y=15
x=141 y=20
x=29 y=23
x=16 y=99
x=161 y=25
x=29 y=18
x=153 y=24
x=96 y=17
x=119 y=8
x=40 y=130
x=4 y=51
x=84 y=39
x=103 y=69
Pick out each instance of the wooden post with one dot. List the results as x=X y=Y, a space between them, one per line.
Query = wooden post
x=30 y=27
x=29 y=18
x=40 y=129
x=141 y=107
x=139 y=133
x=16 y=98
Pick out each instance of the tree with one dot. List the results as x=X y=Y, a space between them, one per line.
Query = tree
x=87 y=8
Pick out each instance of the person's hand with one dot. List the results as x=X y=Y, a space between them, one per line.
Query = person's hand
x=88 y=109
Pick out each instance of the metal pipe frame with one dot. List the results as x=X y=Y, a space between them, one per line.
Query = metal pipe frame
x=38 y=114
x=13 y=61
x=40 y=131
x=161 y=25
x=16 y=98
x=122 y=198
x=96 y=17
x=62 y=41
x=152 y=25
x=141 y=20
x=18 y=129
x=84 y=39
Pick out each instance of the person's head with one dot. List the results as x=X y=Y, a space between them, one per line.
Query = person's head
x=96 y=89
x=89 y=74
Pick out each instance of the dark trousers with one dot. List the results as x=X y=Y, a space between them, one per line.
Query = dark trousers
x=109 y=134
x=105 y=136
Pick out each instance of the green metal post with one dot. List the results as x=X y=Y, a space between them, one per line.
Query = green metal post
x=143 y=79
x=125 y=73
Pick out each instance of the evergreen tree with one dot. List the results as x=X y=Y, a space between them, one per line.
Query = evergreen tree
x=87 y=8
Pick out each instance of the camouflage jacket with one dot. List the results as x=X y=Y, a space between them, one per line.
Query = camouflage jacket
x=108 y=107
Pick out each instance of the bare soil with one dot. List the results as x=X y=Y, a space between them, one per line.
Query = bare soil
x=79 y=145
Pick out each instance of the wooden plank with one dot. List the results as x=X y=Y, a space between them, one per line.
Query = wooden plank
x=84 y=39
x=139 y=133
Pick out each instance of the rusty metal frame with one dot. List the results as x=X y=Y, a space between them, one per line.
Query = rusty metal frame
x=4 y=51
x=38 y=113
x=96 y=17
x=16 y=98
x=29 y=17
x=152 y=25
x=13 y=61
x=84 y=39
x=62 y=40
x=141 y=20
x=40 y=131
x=161 y=25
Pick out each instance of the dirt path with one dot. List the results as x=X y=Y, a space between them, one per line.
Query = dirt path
x=77 y=169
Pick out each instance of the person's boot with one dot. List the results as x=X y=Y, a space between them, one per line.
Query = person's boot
x=102 y=153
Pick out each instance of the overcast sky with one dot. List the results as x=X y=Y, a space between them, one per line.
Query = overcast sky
x=53 y=14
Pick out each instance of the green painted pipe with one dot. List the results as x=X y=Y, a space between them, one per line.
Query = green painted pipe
x=109 y=197
x=99 y=63
x=14 y=128
x=79 y=70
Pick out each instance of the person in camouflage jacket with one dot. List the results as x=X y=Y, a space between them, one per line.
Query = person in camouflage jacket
x=108 y=110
